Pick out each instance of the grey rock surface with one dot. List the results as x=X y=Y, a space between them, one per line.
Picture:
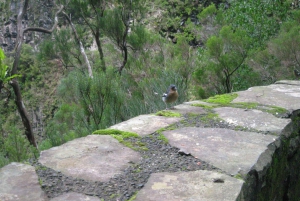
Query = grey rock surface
x=19 y=182
x=145 y=124
x=198 y=102
x=186 y=108
x=232 y=151
x=252 y=119
x=288 y=82
x=199 y=185
x=75 y=197
x=280 y=95
x=94 y=158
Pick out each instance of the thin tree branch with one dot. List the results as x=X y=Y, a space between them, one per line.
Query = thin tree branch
x=87 y=62
x=238 y=66
x=48 y=31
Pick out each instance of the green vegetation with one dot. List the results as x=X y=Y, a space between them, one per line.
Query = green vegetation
x=222 y=99
x=210 y=117
x=163 y=138
x=4 y=78
x=208 y=107
x=225 y=100
x=277 y=110
x=16 y=148
x=160 y=134
x=113 y=196
x=260 y=19
x=167 y=113
x=132 y=198
x=245 y=105
x=121 y=136
x=239 y=176
x=171 y=127
x=115 y=132
x=226 y=55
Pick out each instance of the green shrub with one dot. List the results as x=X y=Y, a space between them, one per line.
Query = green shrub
x=3 y=160
x=45 y=144
x=258 y=18
x=17 y=147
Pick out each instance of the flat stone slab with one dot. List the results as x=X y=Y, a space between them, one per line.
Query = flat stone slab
x=195 y=102
x=20 y=182
x=232 y=151
x=94 y=157
x=282 y=95
x=145 y=124
x=288 y=82
x=186 y=109
x=72 y=196
x=254 y=119
x=199 y=185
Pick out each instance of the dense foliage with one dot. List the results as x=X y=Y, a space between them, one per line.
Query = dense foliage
x=109 y=61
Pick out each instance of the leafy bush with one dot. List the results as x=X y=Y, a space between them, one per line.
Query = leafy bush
x=64 y=126
x=16 y=147
x=258 y=18
x=286 y=47
x=224 y=57
x=3 y=160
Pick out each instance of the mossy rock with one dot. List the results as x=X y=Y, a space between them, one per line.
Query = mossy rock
x=167 y=113
x=277 y=110
x=163 y=138
x=114 y=132
x=226 y=99
x=223 y=99
x=132 y=198
x=210 y=117
x=121 y=136
x=208 y=107
x=245 y=105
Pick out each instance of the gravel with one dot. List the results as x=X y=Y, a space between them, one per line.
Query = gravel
x=159 y=157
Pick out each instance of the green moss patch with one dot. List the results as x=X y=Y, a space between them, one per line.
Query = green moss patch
x=239 y=176
x=210 y=117
x=167 y=113
x=115 y=132
x=121 y=136
x=245 y=105
x=171 y=127
x=208 y=107
x=277 y=110
x=133 y=197
x=223 y=99
x=163 y=138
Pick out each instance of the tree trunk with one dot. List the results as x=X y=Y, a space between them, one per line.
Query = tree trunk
x=14 y=83
x=23 y=113
x=87 y=62
x=123 y=46
x=98 y=42
x=125 y=57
